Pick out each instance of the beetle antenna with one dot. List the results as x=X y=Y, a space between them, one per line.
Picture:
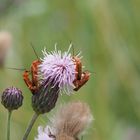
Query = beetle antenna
x=22 y=69
x=73 y=50
x=34 y=50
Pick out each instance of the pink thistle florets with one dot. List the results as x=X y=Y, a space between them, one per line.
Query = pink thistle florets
x=44 y=134
x=59 y=68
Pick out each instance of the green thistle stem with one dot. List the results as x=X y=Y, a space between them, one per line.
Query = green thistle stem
x=30 y=125
x=8 y=124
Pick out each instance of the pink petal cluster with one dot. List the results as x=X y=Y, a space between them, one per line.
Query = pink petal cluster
x=43 y=134
x=59 y=68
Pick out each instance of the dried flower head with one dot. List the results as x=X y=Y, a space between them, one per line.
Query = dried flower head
x=12 y=98
x=59 y=68
x=5 y=44
x=72 y=119
x=69 y=122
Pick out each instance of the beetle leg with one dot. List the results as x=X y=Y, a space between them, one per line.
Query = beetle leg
x=79 y=83
x=28 y=81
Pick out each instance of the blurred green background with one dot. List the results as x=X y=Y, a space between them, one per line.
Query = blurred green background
x=108 y=34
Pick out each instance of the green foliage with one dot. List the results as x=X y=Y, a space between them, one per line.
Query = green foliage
x=106 y=31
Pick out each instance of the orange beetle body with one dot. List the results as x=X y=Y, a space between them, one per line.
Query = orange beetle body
x=33 y=84
x=80 y=77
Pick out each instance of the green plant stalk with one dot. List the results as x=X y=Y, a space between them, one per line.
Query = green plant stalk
x=8 y=124
x=30 y=125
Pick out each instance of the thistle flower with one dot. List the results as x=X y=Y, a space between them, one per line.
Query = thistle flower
x=12 y=98
x=69 y=122
x=59 y=68
x=58 y=72
x=72 y=119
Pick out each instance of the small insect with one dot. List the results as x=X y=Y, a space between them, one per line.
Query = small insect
x=80 y=77
x=32 y=83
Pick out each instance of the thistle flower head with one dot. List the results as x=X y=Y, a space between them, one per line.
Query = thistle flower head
x=12 y=98
x=70 y=121
x=59 y=68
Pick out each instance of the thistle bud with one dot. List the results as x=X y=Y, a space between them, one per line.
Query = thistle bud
x=12 y=98
x=44 y=100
